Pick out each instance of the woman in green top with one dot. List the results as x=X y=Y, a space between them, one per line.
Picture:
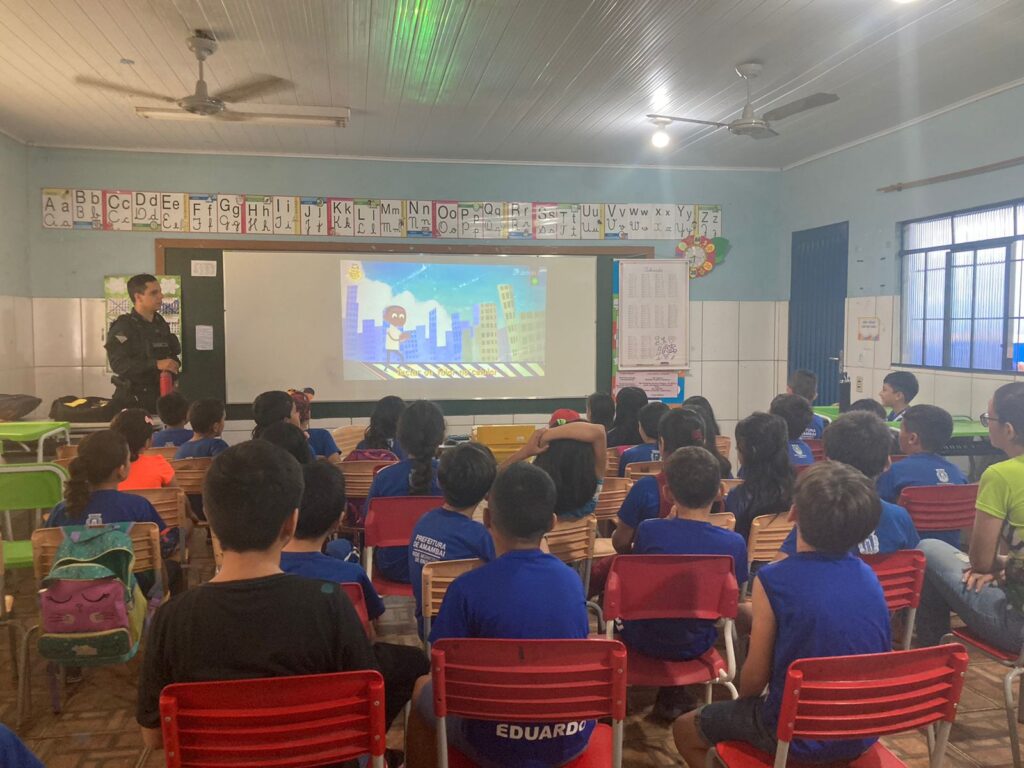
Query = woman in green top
x=985 y=586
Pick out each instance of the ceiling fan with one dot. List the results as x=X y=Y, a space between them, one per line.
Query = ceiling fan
x=201 y=105
x=749 y=124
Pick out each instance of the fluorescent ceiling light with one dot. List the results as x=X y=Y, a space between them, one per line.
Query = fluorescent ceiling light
x=325 y=117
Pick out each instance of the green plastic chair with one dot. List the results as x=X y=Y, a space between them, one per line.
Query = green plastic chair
x=18 y=636
x=29 y=486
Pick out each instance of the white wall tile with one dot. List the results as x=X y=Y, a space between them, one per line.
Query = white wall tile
x=362 y=421
x=859 y=353
x=781 y=375
x=696 y=329
x=692 y=381
x=755 y=386
x=982 y=389
x=504 y=418
x=461 y=423
x=757 y=330
x=720 y=334
x=720 y=386
x=952 y=392
x=18 y=381
x=53 y=382
x=781 y=330
x=57 y=331
x=15 y=332
x=897 y=320
x=537 y=419
x=93 y=332
x=236 y=436
x=927 y=382
x=96 y=382
x=883 y=347
x=862 y=383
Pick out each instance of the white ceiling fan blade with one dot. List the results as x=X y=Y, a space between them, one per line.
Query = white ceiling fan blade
x=675 y=119
x=800 y=105
x=261 y=85
x=763 y=133
x=124 y=90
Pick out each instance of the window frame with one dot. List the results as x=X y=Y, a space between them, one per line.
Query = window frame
x=1007 y=243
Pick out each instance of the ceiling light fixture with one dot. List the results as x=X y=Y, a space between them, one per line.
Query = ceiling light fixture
x=660 y=137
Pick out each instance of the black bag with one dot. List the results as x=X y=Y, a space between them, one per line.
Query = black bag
x=15 y=406
x=82 y=409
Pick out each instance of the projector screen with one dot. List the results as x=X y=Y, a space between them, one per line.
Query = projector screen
x=359 y=326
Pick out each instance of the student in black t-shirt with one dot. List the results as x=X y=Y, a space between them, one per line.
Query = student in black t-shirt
x=250 y=620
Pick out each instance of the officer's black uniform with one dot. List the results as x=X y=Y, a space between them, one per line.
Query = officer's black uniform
x=133 y=348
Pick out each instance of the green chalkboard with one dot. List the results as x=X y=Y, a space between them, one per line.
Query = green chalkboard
x=203 y=373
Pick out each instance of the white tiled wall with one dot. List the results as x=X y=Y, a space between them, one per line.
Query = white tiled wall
x=16 y=353
x=960 y=393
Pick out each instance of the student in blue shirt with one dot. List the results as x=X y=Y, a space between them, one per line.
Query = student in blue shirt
x=797 y=413
x=693 y=481
x=767 y=489
x=822 y=601
x=13 y=751
x=523 y=594
x=678 y=428
x=861 y=440
x=421 y=432
x=207 y=419
x=898 y=389
x=323 y=500
x=805 y=383
x=924 y=431
x=173 y=411
x=465 y=474
x=91 y=498
x=650 y=415
x=382 y=432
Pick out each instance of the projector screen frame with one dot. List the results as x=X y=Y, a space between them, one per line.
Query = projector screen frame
x=204 y=372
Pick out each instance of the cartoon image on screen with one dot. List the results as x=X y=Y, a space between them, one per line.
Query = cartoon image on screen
x=406 y=320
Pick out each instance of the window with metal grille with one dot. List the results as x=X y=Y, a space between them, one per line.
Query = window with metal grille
x=963 y=289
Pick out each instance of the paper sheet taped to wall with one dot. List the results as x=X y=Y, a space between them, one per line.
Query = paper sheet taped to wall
x=653 y=314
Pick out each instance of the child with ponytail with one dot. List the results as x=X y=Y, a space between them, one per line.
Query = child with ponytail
x=146 y=470
x=420 y=433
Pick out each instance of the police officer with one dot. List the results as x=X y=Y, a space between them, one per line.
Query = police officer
x=140 y=346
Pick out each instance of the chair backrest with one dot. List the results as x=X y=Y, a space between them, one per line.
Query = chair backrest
x=897 y=457
x=637 y=469
x=31 y=486
x=167 y=451
x=901 y=575
x=67 y=451
x=169 y=503
x=438 y=576
x=65 y=463
x=190 y=473
x=940 y=507
x=731 y=484
x=849 y=697
x=724 y=444
x=767 y=532
x=358 y=597
x=359 y=476
x=572 y=541
x=529 y=680
x=347 y=438
x=306 y=720
x=725 y=520
x=611 y=469
x=817 y=447
x=613 y=493
x=145 y=542
x=391 y=519
x=671 y=587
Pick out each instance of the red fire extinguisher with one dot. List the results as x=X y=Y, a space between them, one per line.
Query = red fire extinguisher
x=166 y=383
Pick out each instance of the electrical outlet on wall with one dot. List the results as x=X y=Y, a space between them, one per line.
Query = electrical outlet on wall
x=860 y=384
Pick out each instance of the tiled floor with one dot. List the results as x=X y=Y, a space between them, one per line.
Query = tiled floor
x=97 y=727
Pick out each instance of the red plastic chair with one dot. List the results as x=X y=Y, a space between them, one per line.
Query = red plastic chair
x=901 y=575
x=532 y=681
x=675 y=587
x=355 y=594
x=940 y=507
x=817 y=447
x=856 y=697
x=390 y=521
x=307 y=720
x=1015 y=663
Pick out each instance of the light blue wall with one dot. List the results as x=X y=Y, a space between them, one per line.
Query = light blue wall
x=14 y=271
x=843 y=186
x=72 y=263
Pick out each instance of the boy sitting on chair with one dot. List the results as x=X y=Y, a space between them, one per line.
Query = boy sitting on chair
x=898 y=389
x=251 y=619
x=526 y=594
x=694 y=480
x=649 y=417
x=822 y=601
x=805 y=383
x=173 y=411
x=797 y=413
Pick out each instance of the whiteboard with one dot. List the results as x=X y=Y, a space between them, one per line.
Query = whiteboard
x=654 y=314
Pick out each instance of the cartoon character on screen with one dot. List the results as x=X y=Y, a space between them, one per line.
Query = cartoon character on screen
x=394 y=318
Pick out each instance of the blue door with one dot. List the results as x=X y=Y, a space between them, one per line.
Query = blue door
x=817 y=304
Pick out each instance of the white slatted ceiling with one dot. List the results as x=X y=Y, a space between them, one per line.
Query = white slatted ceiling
x=534 y=80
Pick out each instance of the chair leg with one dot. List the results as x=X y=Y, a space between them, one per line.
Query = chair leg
x=12 y=641
x=707 y=693
x=732 y=690
x=53 y=675
x=24 y=681
x=143 y=757
x=1011 y=716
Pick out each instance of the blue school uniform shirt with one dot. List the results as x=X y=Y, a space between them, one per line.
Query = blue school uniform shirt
x=815 y=429
x=681 y=639
x=588 y=507
x=321 y=442
x=921 y=469
x=14 y=753
x=443 y=534
x=202 y=448
x=895 y=531
x=643 y=502
x=393 y=446
x=175 y=436
x=393 y=562
x=117 y=507
x=824 y=605
x=524 y=594
x=800 y=453
x=317 y=565
x=643 y=452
